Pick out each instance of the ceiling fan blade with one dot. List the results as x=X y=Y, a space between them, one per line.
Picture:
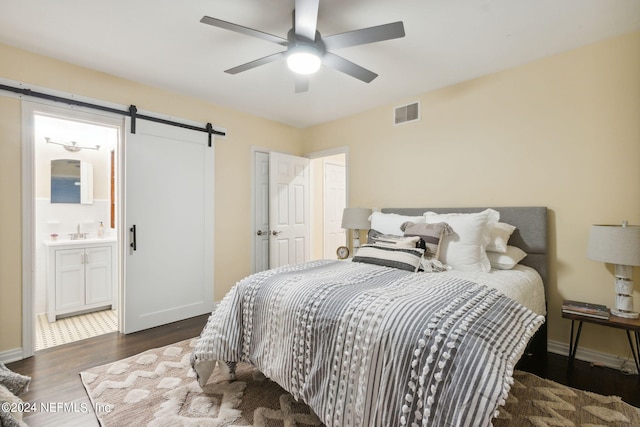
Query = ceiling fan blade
x=256 y=63
x=244 y=30
x=348 y=67
x=305 y=18
x=302 y=83
x=379 y=33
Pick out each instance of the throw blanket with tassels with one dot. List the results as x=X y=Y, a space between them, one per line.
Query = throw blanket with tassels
x=365 y=345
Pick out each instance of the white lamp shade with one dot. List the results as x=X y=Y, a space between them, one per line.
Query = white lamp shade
x=615 y=244
x=356 y=218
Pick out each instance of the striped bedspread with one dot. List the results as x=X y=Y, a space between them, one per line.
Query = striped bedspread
x=365 y=345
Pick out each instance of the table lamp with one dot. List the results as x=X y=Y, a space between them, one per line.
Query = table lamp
x=356 y=219
x=618 y=245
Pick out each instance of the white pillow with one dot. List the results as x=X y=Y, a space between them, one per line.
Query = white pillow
x=499 y=237
x=508 y=260
x=389 y=223
x=465 y=248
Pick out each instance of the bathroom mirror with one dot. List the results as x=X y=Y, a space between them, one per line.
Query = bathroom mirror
x=71 y=181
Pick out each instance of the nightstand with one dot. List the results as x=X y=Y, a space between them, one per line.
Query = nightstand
x=629 y=325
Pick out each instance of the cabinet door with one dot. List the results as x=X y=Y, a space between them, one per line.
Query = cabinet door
x=99 y=282
x=69 y=279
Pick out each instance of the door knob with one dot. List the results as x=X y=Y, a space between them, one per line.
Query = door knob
x=261 y=233
x=275 y=233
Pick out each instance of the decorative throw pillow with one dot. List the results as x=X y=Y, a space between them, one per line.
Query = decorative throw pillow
x=499 y=237
x=465 y=248
x=507 y=260
x=377 y=238
x=7 y=418
x=389 y=223
x=16 y=383
x=402 y=258
x=430 y=235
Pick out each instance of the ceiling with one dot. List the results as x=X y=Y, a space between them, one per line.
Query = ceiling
x=163 y=44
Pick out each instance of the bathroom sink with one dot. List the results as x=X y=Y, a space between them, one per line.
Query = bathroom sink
x=87 y=240
x=78 y=236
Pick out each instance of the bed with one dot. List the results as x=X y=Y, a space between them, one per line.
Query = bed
x=369 y=344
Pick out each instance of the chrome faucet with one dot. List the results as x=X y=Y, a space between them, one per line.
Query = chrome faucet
x=78 y=235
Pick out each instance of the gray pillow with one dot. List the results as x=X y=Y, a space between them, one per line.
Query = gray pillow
x=15 y=383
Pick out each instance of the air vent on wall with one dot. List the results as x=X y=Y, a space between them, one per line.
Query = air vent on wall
x=407 y=113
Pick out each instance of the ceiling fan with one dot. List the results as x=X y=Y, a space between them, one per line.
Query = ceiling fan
x=307 y=49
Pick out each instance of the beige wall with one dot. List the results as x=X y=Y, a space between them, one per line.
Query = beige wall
x=10 y=220
x=562 y=132
x=232 y=168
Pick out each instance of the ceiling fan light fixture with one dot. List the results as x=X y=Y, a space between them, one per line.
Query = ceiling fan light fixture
x=303 y=59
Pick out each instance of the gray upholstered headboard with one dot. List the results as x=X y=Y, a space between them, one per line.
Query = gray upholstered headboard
x=531 y=234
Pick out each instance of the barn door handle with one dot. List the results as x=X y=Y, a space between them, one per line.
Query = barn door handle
x=133 y=237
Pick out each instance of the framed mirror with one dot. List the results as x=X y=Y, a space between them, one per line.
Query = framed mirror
x=71 y=181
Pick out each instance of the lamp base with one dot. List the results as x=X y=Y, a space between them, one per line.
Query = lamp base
x=625 y=314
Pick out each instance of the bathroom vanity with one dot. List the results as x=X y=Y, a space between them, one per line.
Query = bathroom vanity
x=80 y=276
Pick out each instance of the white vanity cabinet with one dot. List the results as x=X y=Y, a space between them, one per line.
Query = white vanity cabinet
x=80 y=276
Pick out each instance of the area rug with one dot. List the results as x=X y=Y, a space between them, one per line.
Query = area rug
x=158 y=388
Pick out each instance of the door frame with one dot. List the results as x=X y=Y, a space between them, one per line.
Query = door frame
x=327 y=250
x=328 y=153
x=29 y=107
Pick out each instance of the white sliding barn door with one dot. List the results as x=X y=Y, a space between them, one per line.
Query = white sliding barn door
x=169 y=185
x=289 y=206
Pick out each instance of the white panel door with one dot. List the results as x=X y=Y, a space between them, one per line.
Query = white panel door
x=289 y=202
x=168 y=260
x=261 y=231
x=335 y=200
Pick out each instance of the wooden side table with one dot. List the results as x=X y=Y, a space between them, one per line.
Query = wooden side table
x=629 y=325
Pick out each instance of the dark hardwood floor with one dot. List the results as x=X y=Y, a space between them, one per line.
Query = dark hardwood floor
x=55 y=371
x=597 y=379
x=55 y=378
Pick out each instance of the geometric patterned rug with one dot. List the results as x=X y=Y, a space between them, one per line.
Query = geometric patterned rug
x=158 y=388
x=534 y=401
x=75 y=328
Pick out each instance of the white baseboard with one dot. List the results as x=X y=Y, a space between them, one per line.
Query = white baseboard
x=603 y=359
x=11 y=355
